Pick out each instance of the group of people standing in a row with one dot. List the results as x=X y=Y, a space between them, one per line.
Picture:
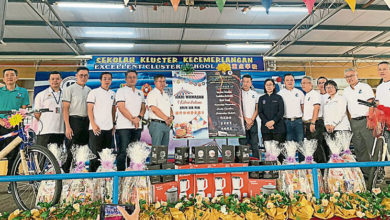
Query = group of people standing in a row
x=291 y=115
x=81 y=115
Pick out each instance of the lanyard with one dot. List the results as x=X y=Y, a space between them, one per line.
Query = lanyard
x=59 y=97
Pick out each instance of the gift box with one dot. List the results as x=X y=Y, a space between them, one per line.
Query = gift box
x=242 y=154
x=159 y=155
x=199 y=154
x=239 y=181
x=255 y=186
x=256 y=174
x=212 y=154
x=168 y=178
x=228 y=154
x=154 y=179
x=165 y=192
x=222 y=181
x=185 y=182
x=268 y=174
x=204 y=183
x=182 y=155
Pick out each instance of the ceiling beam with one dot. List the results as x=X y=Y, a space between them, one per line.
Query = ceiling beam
x=192 y=42
x=197 y=26
x=233 y=4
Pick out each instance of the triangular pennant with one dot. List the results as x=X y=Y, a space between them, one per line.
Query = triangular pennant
x=352 y=4
x=220 y=4
x=175 y=4
x=309 y=5
x=387 y=3
x=267 y=5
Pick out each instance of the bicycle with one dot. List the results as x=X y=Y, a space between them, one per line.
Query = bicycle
x=379 y=148
x=30 y=160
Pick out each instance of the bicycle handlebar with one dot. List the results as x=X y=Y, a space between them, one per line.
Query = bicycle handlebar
x=369 y=104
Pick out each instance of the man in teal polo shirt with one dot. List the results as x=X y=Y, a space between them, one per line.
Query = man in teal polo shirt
x=13 y=97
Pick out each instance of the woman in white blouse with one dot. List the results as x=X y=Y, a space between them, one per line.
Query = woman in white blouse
x=335 y=110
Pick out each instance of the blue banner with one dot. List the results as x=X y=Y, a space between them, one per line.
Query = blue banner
x=170 y=63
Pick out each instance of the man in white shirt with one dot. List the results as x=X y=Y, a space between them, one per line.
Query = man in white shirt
x=362 y=138
x=383 y=92
x=293 y=99
x=160 y=113
x=250 y=99
x=74 y=109
x=312 y=119
x=101 y=114
x=131 y=105
x=51 y=127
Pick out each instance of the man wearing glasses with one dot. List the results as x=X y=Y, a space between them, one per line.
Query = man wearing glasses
x=75 y=113
x=160 y=113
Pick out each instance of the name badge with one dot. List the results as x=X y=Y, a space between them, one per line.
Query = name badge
x=57 y=110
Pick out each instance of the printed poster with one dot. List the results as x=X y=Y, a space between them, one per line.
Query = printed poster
x=224 y=99
x=190 y=105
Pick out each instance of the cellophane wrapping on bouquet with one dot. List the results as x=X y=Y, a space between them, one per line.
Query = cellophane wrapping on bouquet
x=339 y=179
x=290 y=180
x=137 y=152
x=307 y=149
x=103 y=186
x=46 y=189
x=79 y=189
x=354 y=173
x=272 y=150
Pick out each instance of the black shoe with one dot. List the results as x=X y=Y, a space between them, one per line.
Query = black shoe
x=9 y=189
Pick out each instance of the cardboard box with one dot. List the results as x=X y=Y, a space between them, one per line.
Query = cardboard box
x=154 y=179
x=182 y=155
x=256 y=174
x=222 y=180
x=159 y=155
x=169 y=178
x=242 y=154
x=185 y=182
x=240 y=181
x=269 y=174
x=3 y=167
x=228 y=153
x=204 y=183
x=212 y=154
x=256 y=186
x=165 y=192
x=199 y=154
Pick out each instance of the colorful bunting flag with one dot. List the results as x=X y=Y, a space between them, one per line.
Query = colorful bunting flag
x=175 y=4
x=352 y=4
x=267 y=5
x=309 y=5
x=220 y=4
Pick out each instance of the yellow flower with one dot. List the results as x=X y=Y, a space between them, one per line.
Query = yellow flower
x=376 y=191
x=198 y=198
x=336 y=194
x=15 y=119
x=333 y=199
x=324 y=202
x=164 y=203
x=207 y=200
x=246 y=200
x=313 y=199
x=16 y=212
x=270 y=205
x=214 y=200
x=309 y=196
x=178 y=205
x=76 y=207
x=157 y=205
x=360 y=214
x=52 y=209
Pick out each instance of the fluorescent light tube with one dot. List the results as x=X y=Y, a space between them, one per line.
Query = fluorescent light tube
x=280 y=9
x=109 y=45
x=248 y=46
x=88 y=5
x=110 y=33
x=246 y=35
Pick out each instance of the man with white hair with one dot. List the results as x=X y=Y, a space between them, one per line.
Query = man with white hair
x=362 y=138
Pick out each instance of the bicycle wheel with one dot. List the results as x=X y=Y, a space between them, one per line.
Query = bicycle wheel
x=40 y=161
x=376 y=176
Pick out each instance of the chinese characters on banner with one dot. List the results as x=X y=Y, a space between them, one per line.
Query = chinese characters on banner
x=224 y=104
x=190 y=105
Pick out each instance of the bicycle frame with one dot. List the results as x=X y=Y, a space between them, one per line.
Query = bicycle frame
x=21 y=138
